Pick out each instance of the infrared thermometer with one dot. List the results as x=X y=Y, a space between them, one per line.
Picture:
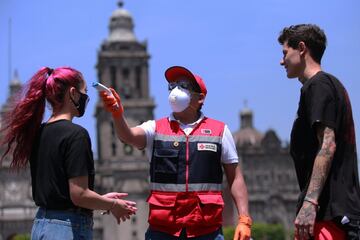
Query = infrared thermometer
x=101 y=87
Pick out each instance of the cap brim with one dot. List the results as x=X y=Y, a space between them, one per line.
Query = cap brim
x=176 y=72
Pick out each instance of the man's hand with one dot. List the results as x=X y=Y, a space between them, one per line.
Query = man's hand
x=243 y=229
x=110 y=102
x=305 y=221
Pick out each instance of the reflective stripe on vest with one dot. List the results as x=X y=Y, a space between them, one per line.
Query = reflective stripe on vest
x=177 y=138
x=192 y=187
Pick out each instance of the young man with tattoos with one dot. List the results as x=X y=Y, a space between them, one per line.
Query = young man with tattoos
x=322 y=142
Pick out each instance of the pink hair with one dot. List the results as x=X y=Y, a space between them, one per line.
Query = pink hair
x=22 y=123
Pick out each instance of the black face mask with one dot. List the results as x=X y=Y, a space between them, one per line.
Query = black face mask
x=82 y=103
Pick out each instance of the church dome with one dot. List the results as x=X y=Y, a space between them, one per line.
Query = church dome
x=247 y=135
x=121 y=26
x=121 y=13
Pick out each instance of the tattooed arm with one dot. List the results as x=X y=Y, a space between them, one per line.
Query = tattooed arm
x=304 y=222
x=322 y=163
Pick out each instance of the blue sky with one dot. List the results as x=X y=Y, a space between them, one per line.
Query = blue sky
x=231 y=44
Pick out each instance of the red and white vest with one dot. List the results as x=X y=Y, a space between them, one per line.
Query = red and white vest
x=186 y=178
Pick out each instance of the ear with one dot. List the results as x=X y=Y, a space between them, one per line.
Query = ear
x=72 y=92
x=201 y=98
x=302 y=48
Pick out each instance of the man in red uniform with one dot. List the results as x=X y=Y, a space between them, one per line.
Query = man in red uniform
x=188 y=153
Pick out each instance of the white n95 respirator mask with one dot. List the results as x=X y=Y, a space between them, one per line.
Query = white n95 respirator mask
x=179 y=99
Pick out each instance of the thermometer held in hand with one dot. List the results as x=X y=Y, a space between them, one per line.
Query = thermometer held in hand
x=101 y=87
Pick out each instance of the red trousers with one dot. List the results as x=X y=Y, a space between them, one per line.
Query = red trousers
x=328 y=230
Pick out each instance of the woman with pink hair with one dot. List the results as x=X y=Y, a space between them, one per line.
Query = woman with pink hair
x=60 y=156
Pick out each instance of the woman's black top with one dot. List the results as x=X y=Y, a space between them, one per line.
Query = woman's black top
x=61 y=151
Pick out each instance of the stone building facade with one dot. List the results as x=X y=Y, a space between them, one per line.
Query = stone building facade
x=123 y=63
x=17 y=208
x=269 y=173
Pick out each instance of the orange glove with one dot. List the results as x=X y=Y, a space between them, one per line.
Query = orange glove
x=243 y=229
x=111 y=101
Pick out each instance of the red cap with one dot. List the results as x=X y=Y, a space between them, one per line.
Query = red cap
x=176 y=72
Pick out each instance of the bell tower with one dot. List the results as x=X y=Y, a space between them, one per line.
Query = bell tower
x=123 y=65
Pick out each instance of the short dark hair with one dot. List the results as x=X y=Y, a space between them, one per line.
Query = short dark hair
x=312 y=35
